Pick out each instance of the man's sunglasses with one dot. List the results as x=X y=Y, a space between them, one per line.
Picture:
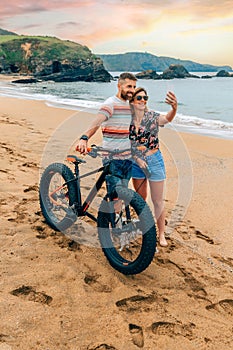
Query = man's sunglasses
x=139 y=98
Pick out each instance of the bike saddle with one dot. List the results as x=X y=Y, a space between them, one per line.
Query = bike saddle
x=74 y=159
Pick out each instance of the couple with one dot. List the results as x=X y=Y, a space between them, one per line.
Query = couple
x=126 y=123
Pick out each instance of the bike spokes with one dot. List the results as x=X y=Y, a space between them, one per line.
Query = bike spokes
x=127 y=234
x=57 y=195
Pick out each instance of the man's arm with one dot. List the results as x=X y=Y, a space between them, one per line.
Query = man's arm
x=82 y=144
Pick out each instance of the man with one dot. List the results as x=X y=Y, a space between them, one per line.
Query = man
x=114 y=118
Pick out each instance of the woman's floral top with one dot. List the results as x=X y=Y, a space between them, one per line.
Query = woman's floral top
x=147 y=134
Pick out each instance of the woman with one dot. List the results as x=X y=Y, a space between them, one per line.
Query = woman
x=148 y=161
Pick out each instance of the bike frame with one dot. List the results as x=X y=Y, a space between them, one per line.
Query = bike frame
x=81 y=207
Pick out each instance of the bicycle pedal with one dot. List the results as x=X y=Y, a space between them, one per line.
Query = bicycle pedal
x=124 y=241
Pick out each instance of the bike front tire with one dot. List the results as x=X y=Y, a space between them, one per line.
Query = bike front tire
x=137 y=229
x=58 y=193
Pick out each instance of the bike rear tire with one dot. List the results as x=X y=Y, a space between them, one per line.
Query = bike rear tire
x=145 y=249
x=56 y=198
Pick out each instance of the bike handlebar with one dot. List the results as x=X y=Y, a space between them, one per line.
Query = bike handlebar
x=95 y=151
x=101 y=149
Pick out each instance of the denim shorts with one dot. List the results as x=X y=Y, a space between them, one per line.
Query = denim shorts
x=155 y=165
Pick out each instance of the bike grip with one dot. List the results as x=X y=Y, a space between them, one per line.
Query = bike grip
x=89 y=149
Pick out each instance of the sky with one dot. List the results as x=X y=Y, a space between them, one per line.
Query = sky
x=201 y=31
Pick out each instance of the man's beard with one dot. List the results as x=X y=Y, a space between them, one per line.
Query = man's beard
x=125 y=96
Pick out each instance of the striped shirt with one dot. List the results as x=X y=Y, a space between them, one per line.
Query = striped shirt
x=115 y=129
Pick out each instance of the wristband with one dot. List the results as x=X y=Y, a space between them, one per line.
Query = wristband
x=84 y=137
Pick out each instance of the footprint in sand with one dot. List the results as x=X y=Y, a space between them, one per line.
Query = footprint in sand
x=31 y=188
x=206 y=238
x=30 y=165
x=139 y=302
x=225 y=261
x=30 y=294
x=63 y=241
x=91 y=279
x=173 y=329
x=196 y=286
x=3 y=338
x=225 y=305
x=101 y=347
x=187 y=232
x=5 y=119
x=19 y=213
x=42 y=231
x=13 y=155
x=66 y=243
x=137 y=335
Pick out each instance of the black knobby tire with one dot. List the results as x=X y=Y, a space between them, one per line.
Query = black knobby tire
x=125 y=261
x=56 y=208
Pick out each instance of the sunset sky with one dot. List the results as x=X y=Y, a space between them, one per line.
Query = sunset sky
x=201 y=31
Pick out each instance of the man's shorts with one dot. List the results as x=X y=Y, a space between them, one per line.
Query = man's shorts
x=121 y=172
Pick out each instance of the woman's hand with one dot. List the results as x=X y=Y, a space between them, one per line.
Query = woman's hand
x=171 y=100
x=141 y=163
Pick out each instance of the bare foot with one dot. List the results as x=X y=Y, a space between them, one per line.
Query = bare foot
x=162 y=241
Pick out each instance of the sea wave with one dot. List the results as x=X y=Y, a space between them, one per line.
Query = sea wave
x=203 y=126
x=182 y=122
x=10 y=90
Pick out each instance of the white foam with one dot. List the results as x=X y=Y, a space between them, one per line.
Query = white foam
x=51 y=100
x=187 y=123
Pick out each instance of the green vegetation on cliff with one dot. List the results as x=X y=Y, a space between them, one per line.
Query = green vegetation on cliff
x=49 y=58
x=26 y=52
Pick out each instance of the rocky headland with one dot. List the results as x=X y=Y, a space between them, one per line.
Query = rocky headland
x=49 y=58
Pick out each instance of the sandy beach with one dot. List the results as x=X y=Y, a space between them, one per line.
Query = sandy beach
x=59 y=294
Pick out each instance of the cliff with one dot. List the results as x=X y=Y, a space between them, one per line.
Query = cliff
x=49 y=58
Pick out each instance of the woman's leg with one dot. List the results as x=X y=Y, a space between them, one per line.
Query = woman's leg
x=140 y=186
x=157 y=189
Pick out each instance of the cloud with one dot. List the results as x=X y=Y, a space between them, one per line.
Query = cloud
x=114 y=23
x=204 y=8
x=31 y=26
x=70 y=24
x=17 y=7
x=200 y=10
x=212 y=9
x=137 y=18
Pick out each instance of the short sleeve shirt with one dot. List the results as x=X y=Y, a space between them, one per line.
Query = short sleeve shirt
x=147 y=133
x=115 y=129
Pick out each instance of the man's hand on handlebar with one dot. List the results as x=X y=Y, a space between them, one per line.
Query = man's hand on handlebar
x=82 y=147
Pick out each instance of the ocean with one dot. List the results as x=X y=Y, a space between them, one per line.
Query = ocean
x=205 y=106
